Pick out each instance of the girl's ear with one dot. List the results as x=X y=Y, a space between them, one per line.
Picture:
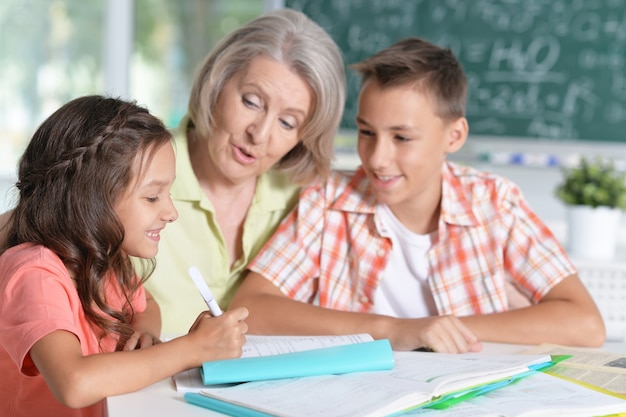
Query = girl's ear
x=457 y=134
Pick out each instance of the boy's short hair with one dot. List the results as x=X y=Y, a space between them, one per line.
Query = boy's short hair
x=434 y=70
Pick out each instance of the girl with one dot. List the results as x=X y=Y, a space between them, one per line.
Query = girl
x=76 y=324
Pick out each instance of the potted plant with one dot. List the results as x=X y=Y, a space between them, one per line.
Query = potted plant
x=594 y=192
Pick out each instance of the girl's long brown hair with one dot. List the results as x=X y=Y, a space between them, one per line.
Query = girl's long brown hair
x=78 y=162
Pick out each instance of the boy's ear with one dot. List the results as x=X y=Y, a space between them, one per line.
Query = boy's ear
x=457 y=134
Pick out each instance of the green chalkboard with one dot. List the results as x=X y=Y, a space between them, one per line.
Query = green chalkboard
x=545 y=69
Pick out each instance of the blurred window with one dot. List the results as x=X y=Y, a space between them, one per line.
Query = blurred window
x=51 y=51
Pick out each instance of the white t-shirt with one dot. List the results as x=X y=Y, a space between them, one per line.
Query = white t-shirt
x=403 y=291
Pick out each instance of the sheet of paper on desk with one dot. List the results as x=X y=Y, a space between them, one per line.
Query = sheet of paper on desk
x=257 y=345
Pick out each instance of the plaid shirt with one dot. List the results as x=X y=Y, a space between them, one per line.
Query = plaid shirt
x=330 y=251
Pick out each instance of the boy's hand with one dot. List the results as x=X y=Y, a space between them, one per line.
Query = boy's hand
x=445 y=334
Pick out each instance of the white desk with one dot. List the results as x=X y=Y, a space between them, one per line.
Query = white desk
x=162 y=399
x=158 y=400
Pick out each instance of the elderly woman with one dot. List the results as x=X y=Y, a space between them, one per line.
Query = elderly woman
x=263 y=112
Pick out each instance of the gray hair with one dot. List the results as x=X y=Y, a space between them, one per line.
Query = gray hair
x=290 y=37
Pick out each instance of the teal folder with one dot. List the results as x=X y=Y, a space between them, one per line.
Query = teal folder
x=358 y=357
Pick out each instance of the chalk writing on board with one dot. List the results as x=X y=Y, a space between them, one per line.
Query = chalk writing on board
x=549 y=69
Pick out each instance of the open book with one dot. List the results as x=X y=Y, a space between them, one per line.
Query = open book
x=418 y=379
x=279 y=352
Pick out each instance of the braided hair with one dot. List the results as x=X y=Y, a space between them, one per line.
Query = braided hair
x=77 y=164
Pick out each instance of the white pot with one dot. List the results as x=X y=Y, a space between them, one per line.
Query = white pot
x=592 y=233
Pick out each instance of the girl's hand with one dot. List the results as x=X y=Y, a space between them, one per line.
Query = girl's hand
x=220 y=337
x=141 y=340
x=147 y=326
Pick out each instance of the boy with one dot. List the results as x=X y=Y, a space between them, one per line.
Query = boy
x=412 y=247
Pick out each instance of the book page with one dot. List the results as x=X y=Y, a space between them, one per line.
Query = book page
x=441 y=373
x=346 y=395
x=464 y=409
x=595 y=367
x=257 y=345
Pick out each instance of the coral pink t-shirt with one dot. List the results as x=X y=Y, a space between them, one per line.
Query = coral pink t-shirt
x=37 y=297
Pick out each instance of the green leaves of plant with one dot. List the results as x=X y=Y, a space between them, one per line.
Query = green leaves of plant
x=593 y=183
